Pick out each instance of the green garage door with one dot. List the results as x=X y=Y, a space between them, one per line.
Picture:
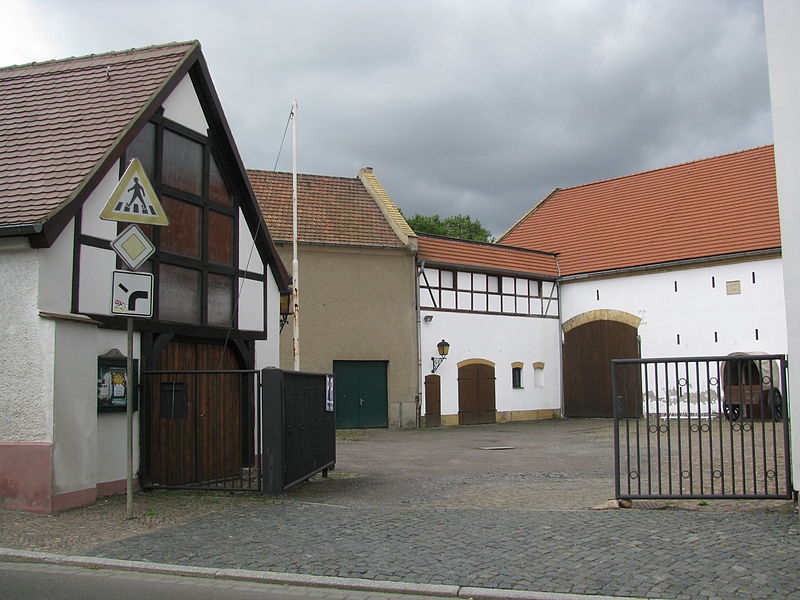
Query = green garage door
x=361 y=396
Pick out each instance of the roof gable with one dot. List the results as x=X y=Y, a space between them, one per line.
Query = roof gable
x=331 y=210
x=64 y=124
x=60 y=119
x=711 y=207
x=440 y=250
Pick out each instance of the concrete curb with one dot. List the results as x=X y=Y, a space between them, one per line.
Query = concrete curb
x=269 y=577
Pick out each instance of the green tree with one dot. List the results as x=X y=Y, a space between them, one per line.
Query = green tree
x=458 y=226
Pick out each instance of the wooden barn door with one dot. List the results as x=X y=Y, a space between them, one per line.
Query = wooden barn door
x=194 y=420
x=476 y=394
x=588 y=351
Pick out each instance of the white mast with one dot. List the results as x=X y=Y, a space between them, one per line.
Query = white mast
x=295 y=286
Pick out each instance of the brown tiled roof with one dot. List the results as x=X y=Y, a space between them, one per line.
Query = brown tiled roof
x=495 y=257
x=716 y=206
x=331 y=210
x=59 y=118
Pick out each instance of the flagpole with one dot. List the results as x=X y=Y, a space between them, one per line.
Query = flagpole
x=295 y=285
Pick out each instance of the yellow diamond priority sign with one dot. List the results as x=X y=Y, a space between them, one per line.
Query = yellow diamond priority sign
x=133 y=247
x=134 y=200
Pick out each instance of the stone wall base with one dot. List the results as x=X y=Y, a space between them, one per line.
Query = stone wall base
x=501 y=417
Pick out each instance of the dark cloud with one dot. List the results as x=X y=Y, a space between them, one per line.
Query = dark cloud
x=462 y=107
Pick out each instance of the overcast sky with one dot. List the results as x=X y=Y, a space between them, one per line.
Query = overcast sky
x=478 y=108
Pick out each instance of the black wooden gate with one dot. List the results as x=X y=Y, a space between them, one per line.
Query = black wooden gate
x=709 y=427
x=299 y=426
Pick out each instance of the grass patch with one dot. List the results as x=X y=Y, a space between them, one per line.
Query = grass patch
x=349 y=435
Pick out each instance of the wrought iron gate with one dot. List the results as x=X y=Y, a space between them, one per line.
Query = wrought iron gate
x=202 y=429
x=708 y=427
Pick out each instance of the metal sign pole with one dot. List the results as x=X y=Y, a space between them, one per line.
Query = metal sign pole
x=129 y=420
x=131 y=290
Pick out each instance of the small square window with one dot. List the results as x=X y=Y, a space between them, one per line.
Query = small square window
x=733 y=287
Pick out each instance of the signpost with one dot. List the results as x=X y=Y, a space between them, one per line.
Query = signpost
x=133 y=201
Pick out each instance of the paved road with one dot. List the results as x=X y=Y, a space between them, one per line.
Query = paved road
x=449 y=507
x=25 y=581
x=661 y=554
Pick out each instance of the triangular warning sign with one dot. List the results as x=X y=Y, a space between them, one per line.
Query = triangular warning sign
x=134 y=200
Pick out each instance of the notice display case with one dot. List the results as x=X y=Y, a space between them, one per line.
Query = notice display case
x=113 y=381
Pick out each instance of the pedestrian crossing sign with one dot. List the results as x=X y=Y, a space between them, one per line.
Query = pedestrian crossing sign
x=134 y=200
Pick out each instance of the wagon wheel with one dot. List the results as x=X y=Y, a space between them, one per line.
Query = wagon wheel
x=732 y=411
x=775 y=403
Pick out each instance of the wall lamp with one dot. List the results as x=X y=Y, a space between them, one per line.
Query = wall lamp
x=286 y=308
x=443 y=348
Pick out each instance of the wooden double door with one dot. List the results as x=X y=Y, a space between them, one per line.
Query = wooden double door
x=588 y=352
x=195 y=421
x=476 y=394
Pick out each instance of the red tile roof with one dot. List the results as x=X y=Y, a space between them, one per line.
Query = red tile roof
x=716 y=206
x=331 y=210
x=495 y=257
x=59 y=118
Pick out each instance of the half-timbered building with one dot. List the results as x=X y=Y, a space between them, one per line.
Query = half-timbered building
x=497 y=308
x=68 y=130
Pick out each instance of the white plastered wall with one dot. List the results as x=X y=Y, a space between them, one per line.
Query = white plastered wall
x=75 y=407
x=26 y=350
x=782 y=22
x=268 y=351
x=502 y=340
x=684 y=322
x=251 y=292
x=183 y=107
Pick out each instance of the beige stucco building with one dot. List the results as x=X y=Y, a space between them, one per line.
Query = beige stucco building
x=357 y=288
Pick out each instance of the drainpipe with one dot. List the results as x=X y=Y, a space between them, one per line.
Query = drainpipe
x=419 y=344
x=560 y=335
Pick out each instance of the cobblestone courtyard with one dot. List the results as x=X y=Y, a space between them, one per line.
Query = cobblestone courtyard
x=501 y=506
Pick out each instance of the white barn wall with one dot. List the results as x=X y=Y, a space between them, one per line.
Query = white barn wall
x=696 y=311
x=782 y=22
x=502 y=340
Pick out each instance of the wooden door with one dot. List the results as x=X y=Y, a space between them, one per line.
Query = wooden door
x=220 y=406
x=433 y=401
x=588 y=351
x=360 y=389
x=194 y=420
x=476 y=394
